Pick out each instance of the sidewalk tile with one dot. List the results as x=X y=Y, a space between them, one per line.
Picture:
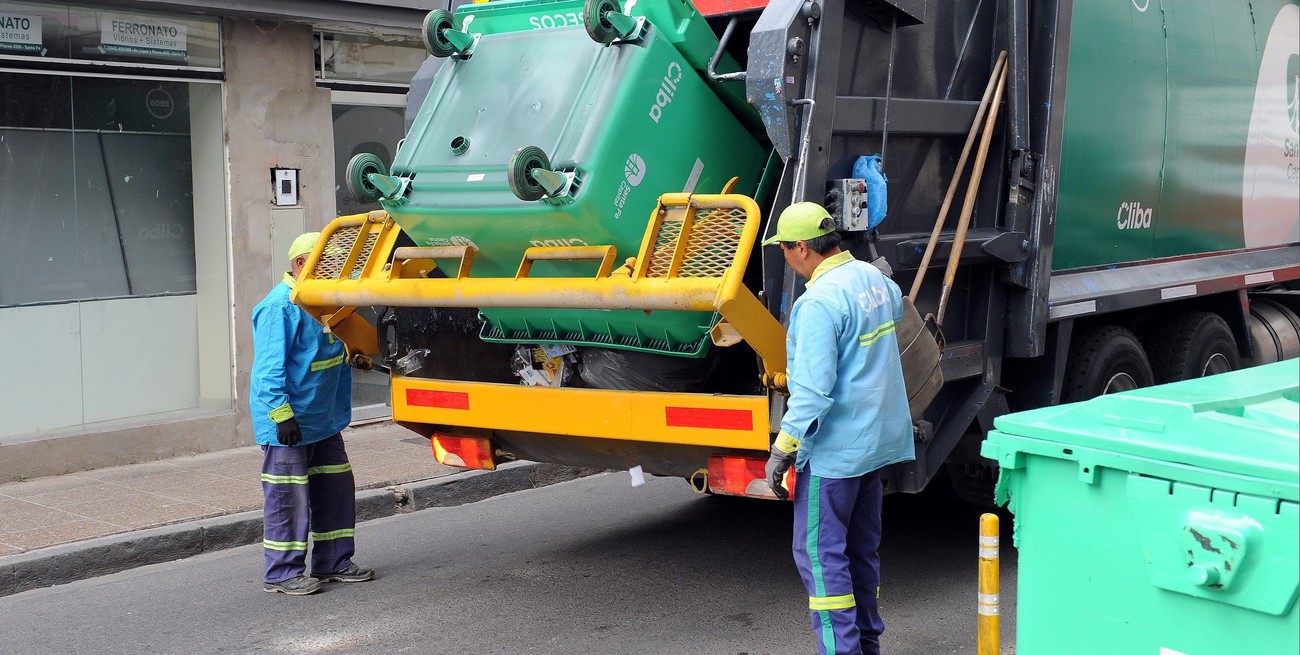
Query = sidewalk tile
x=229 y=496
x=58 y=534
x=179 y=484
x=52 y=484
x=147 y=516
x=20 y=516
x=99 y=491
x=132 y=471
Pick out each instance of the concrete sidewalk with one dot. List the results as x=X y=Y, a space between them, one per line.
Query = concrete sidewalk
x=62 y=528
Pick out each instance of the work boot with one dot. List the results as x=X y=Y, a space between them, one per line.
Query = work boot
x=296 y=586
x=353 y=573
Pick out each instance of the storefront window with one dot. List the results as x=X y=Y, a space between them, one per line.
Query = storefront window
x=112 y=246
x=97 y=187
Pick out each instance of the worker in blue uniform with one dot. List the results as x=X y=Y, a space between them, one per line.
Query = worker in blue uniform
x=846 y=418
x=300 y=397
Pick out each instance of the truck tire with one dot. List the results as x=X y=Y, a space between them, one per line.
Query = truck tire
x=1105 y=359
x=1193 y=345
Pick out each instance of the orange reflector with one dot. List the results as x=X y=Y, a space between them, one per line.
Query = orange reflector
x=733 y=475
x=465 y=452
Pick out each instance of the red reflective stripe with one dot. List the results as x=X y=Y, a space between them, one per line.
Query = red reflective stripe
x=439 y=399
x=699 y=417
x=715 y=7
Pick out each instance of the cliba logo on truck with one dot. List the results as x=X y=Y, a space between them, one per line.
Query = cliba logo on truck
x=667 y=89
x=1132 y=216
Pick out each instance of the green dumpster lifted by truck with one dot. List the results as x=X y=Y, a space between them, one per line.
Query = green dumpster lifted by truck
x=580 y=195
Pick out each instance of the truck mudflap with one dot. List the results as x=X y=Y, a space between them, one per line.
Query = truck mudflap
x=692 y=258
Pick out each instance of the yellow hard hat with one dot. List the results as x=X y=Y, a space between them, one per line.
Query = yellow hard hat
x=800 y=222
x=303 y=245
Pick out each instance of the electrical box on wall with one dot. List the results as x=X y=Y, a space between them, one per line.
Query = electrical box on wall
x=285 y=183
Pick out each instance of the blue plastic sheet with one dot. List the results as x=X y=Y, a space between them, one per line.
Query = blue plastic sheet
x=868 y=168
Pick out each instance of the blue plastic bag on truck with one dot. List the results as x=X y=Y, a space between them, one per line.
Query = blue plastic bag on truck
x=868 y=168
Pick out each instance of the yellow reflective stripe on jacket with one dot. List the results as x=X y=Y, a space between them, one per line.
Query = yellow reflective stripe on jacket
x=284 y=479
x=327 y=363
x=334 y=534
x=281 y=414
x=830 y=602
x=871 y=337
x=329 y=468
x=284 y=545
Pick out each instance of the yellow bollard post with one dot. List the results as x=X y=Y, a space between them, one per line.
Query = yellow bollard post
x=988 y=627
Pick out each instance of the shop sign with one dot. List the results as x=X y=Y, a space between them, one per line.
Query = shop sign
x=141 y=37
x=19 y=33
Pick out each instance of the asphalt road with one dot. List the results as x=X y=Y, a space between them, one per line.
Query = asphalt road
x=589 y=566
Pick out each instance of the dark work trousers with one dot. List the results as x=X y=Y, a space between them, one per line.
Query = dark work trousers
x=836 y=536
x=307 y=489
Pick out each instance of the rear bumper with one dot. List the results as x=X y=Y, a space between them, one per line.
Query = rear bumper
x=672 y=419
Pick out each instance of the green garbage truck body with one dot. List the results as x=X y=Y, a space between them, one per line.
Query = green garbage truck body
x=1128 y=217
x=1180 y=131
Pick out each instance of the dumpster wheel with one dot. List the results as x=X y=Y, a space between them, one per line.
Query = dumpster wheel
x=522 y=164
x=358 y=177
x=598 y=26
x=435 y=23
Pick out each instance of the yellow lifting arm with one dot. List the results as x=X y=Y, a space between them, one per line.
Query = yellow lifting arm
x=692 y=258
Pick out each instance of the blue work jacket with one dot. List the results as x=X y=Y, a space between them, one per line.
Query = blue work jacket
x=298 y=371
x=848 y=405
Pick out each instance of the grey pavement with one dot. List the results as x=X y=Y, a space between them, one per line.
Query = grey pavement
x=63 y=528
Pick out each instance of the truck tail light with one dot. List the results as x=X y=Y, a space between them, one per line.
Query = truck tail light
x=466 y=452
x=733 y=475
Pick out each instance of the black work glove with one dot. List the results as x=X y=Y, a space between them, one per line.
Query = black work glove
x=784 y=451
x=287 y=432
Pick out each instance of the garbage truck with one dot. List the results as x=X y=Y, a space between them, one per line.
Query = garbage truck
x=1080 y=197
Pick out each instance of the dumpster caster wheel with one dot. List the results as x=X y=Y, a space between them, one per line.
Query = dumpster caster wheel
x=358 y=177
x=595 y=20
x=522 y=164
x=1105 y=359
x=435 y=23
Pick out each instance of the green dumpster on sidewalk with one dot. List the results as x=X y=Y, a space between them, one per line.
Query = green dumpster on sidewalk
x=1162 y=521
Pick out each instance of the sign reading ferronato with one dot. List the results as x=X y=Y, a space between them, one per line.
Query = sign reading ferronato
x=139 y=36
x=20 y=33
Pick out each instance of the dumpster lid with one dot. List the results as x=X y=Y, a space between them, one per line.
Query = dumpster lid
x=1245 y=423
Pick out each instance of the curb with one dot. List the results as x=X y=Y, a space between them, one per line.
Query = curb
x=92 y=558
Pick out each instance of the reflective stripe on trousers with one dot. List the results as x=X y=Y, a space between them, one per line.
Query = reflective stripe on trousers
x=836 y=536
x=308 y=492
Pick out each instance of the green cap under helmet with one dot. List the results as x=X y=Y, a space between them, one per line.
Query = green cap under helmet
x=802 y=221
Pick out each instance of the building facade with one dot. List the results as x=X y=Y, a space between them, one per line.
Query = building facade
x=156 y=159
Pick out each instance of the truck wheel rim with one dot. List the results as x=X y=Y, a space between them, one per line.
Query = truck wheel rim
x=1215 y=365
x=1120 y=382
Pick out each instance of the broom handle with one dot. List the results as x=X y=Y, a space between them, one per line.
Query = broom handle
x=956 y=177
x=959 y=239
